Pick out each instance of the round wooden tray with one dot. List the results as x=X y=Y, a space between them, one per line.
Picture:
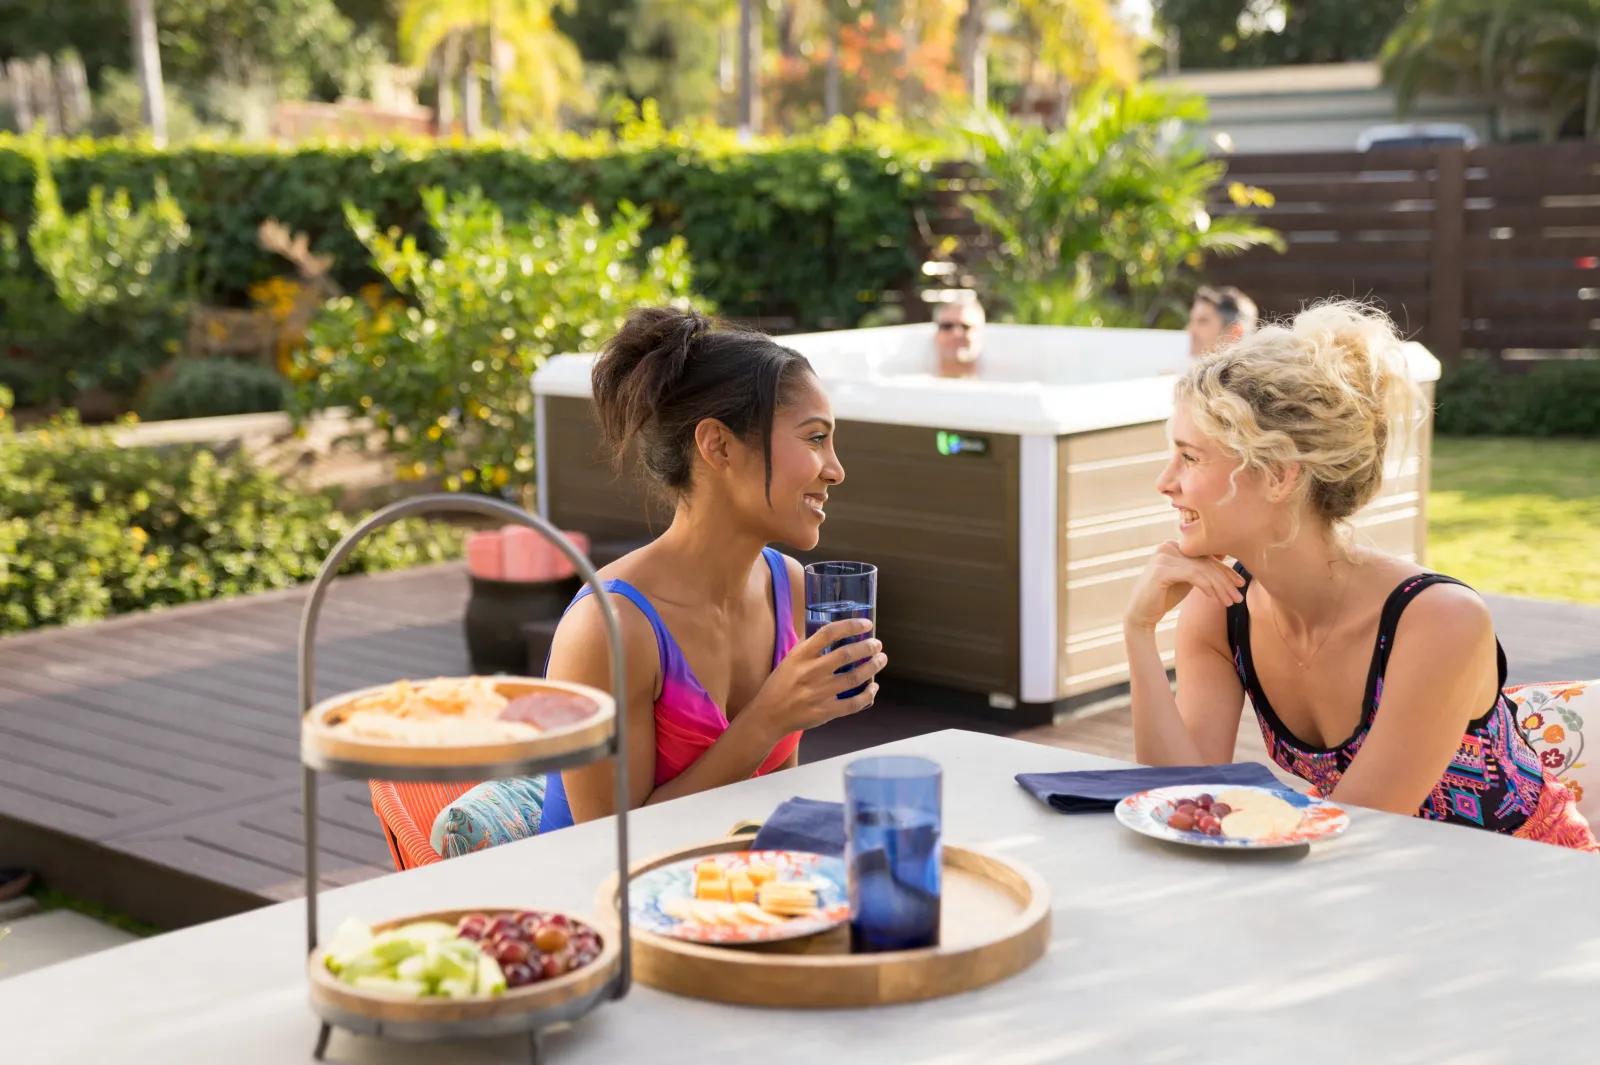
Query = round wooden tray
x=326 y=749
x=995 y=923
x=520 y=1009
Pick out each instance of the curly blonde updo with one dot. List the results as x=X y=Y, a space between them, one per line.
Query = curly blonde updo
x=1324 y=391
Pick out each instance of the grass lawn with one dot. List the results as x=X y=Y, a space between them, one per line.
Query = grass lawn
x=51 y=899
x=1518 y=517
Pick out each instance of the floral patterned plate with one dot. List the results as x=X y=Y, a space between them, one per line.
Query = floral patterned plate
x=652 y=894
x=1147 y=813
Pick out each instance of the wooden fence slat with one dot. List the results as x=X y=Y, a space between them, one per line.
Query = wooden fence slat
x=1329 y=162
x=1531 y=221
x=1336 y=193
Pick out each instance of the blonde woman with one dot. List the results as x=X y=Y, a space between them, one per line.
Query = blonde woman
x=1374 y=680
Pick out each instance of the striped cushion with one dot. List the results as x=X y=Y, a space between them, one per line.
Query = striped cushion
x=407 y=812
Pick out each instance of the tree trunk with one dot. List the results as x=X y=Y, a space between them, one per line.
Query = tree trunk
x=908 y=59
x=975 y=53
x=496 y=118
x=449 y=64
x=788 y=47
x=147 y=66
x=471 y=92
x=830 y=85
x=749 y=67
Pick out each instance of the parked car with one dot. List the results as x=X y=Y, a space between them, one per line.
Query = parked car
x=1417 y=135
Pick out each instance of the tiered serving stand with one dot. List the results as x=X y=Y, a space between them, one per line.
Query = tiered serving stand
x=530 y=1009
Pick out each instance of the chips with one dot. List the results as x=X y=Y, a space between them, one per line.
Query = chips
x=440 y=697
x=443 y=712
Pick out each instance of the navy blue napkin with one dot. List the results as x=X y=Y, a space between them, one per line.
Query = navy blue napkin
x=803 y=825
x=1099 y=790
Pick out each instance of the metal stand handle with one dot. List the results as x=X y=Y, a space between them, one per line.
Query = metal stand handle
x=485 y=506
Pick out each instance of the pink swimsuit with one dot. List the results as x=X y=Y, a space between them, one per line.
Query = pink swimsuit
x=688 y=720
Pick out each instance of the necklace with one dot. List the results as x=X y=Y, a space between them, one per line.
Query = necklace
x=1337 y=609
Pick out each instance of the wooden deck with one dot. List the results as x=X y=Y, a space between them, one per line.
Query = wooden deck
x=150 y=763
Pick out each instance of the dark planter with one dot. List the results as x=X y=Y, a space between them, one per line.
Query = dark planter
x=498 y=610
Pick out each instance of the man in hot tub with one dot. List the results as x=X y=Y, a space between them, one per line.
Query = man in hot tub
x=958 y=341
x=1219 y=318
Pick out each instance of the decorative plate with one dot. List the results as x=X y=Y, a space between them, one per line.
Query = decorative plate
x=661 y=899
x=1148 y=811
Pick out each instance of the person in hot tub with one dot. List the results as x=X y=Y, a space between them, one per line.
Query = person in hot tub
x=1219 y=317
x=958 y=341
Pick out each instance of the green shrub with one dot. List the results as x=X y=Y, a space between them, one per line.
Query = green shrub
x=814 y=227
x=446 y=375
x=1105 y=221
x=97 y=305
x=1557 y=398
x=89 y=529
x=209 y=388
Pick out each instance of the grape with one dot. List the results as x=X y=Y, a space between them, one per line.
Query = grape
x=1220 y=810
x=472 y=926
x=560 y=920
x=526 y=917
x=500 y=926
x=1182 y=819
x=518 y=975
x=510 y=951
x=552 y=967
x=1204 y=802
x=551 y=939
x=1187 y=804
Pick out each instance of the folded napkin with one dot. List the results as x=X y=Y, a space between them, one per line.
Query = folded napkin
x=803 y=825
x=1099 y=790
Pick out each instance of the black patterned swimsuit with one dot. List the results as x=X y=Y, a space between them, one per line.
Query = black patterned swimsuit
x=1494 y=780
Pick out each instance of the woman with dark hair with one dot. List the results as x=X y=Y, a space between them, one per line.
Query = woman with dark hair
x=734 y=431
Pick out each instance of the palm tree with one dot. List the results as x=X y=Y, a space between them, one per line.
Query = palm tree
x=1543 y=54
x=533 y=67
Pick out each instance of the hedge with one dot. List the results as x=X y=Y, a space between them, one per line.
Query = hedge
x=1556 y=398
x=89 y=529
x=812 y=228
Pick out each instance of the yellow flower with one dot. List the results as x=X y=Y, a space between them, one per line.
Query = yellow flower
x=139 y=536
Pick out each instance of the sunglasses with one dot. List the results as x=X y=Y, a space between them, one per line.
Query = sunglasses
x=945 y=327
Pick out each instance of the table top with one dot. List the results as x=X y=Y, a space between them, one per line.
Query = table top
x=1402 y=941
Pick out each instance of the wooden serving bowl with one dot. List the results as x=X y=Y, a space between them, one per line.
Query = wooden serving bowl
x=328 y=990
x=322 y=742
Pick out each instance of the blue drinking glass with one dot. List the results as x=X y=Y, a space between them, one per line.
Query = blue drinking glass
x=893 y=852
x=836 y=591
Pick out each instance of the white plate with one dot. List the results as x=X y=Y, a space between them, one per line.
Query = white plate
x=1147 y=813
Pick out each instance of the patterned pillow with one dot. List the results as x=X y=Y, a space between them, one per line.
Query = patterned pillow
x=494 y=812
x=1553 y=717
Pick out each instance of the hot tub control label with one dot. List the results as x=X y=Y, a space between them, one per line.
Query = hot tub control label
x=950 y=443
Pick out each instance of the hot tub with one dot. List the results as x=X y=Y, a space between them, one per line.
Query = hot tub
x=1008 y=515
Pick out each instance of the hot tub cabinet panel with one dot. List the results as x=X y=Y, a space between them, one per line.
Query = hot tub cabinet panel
x=1009 y=517
x=943 y=535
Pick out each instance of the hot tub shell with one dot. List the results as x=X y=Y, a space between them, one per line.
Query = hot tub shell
x=1008 y=516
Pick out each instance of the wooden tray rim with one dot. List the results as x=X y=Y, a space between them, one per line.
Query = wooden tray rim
x=590 y=732
x=1032 y=923
x=327 y=989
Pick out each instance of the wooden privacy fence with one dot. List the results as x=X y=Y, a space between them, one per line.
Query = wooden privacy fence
x=1491 y=249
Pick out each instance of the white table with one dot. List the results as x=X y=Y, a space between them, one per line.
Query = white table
x=1403 y=942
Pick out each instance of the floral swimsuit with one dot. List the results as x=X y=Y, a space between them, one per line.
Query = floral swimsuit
x=1495 y=780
